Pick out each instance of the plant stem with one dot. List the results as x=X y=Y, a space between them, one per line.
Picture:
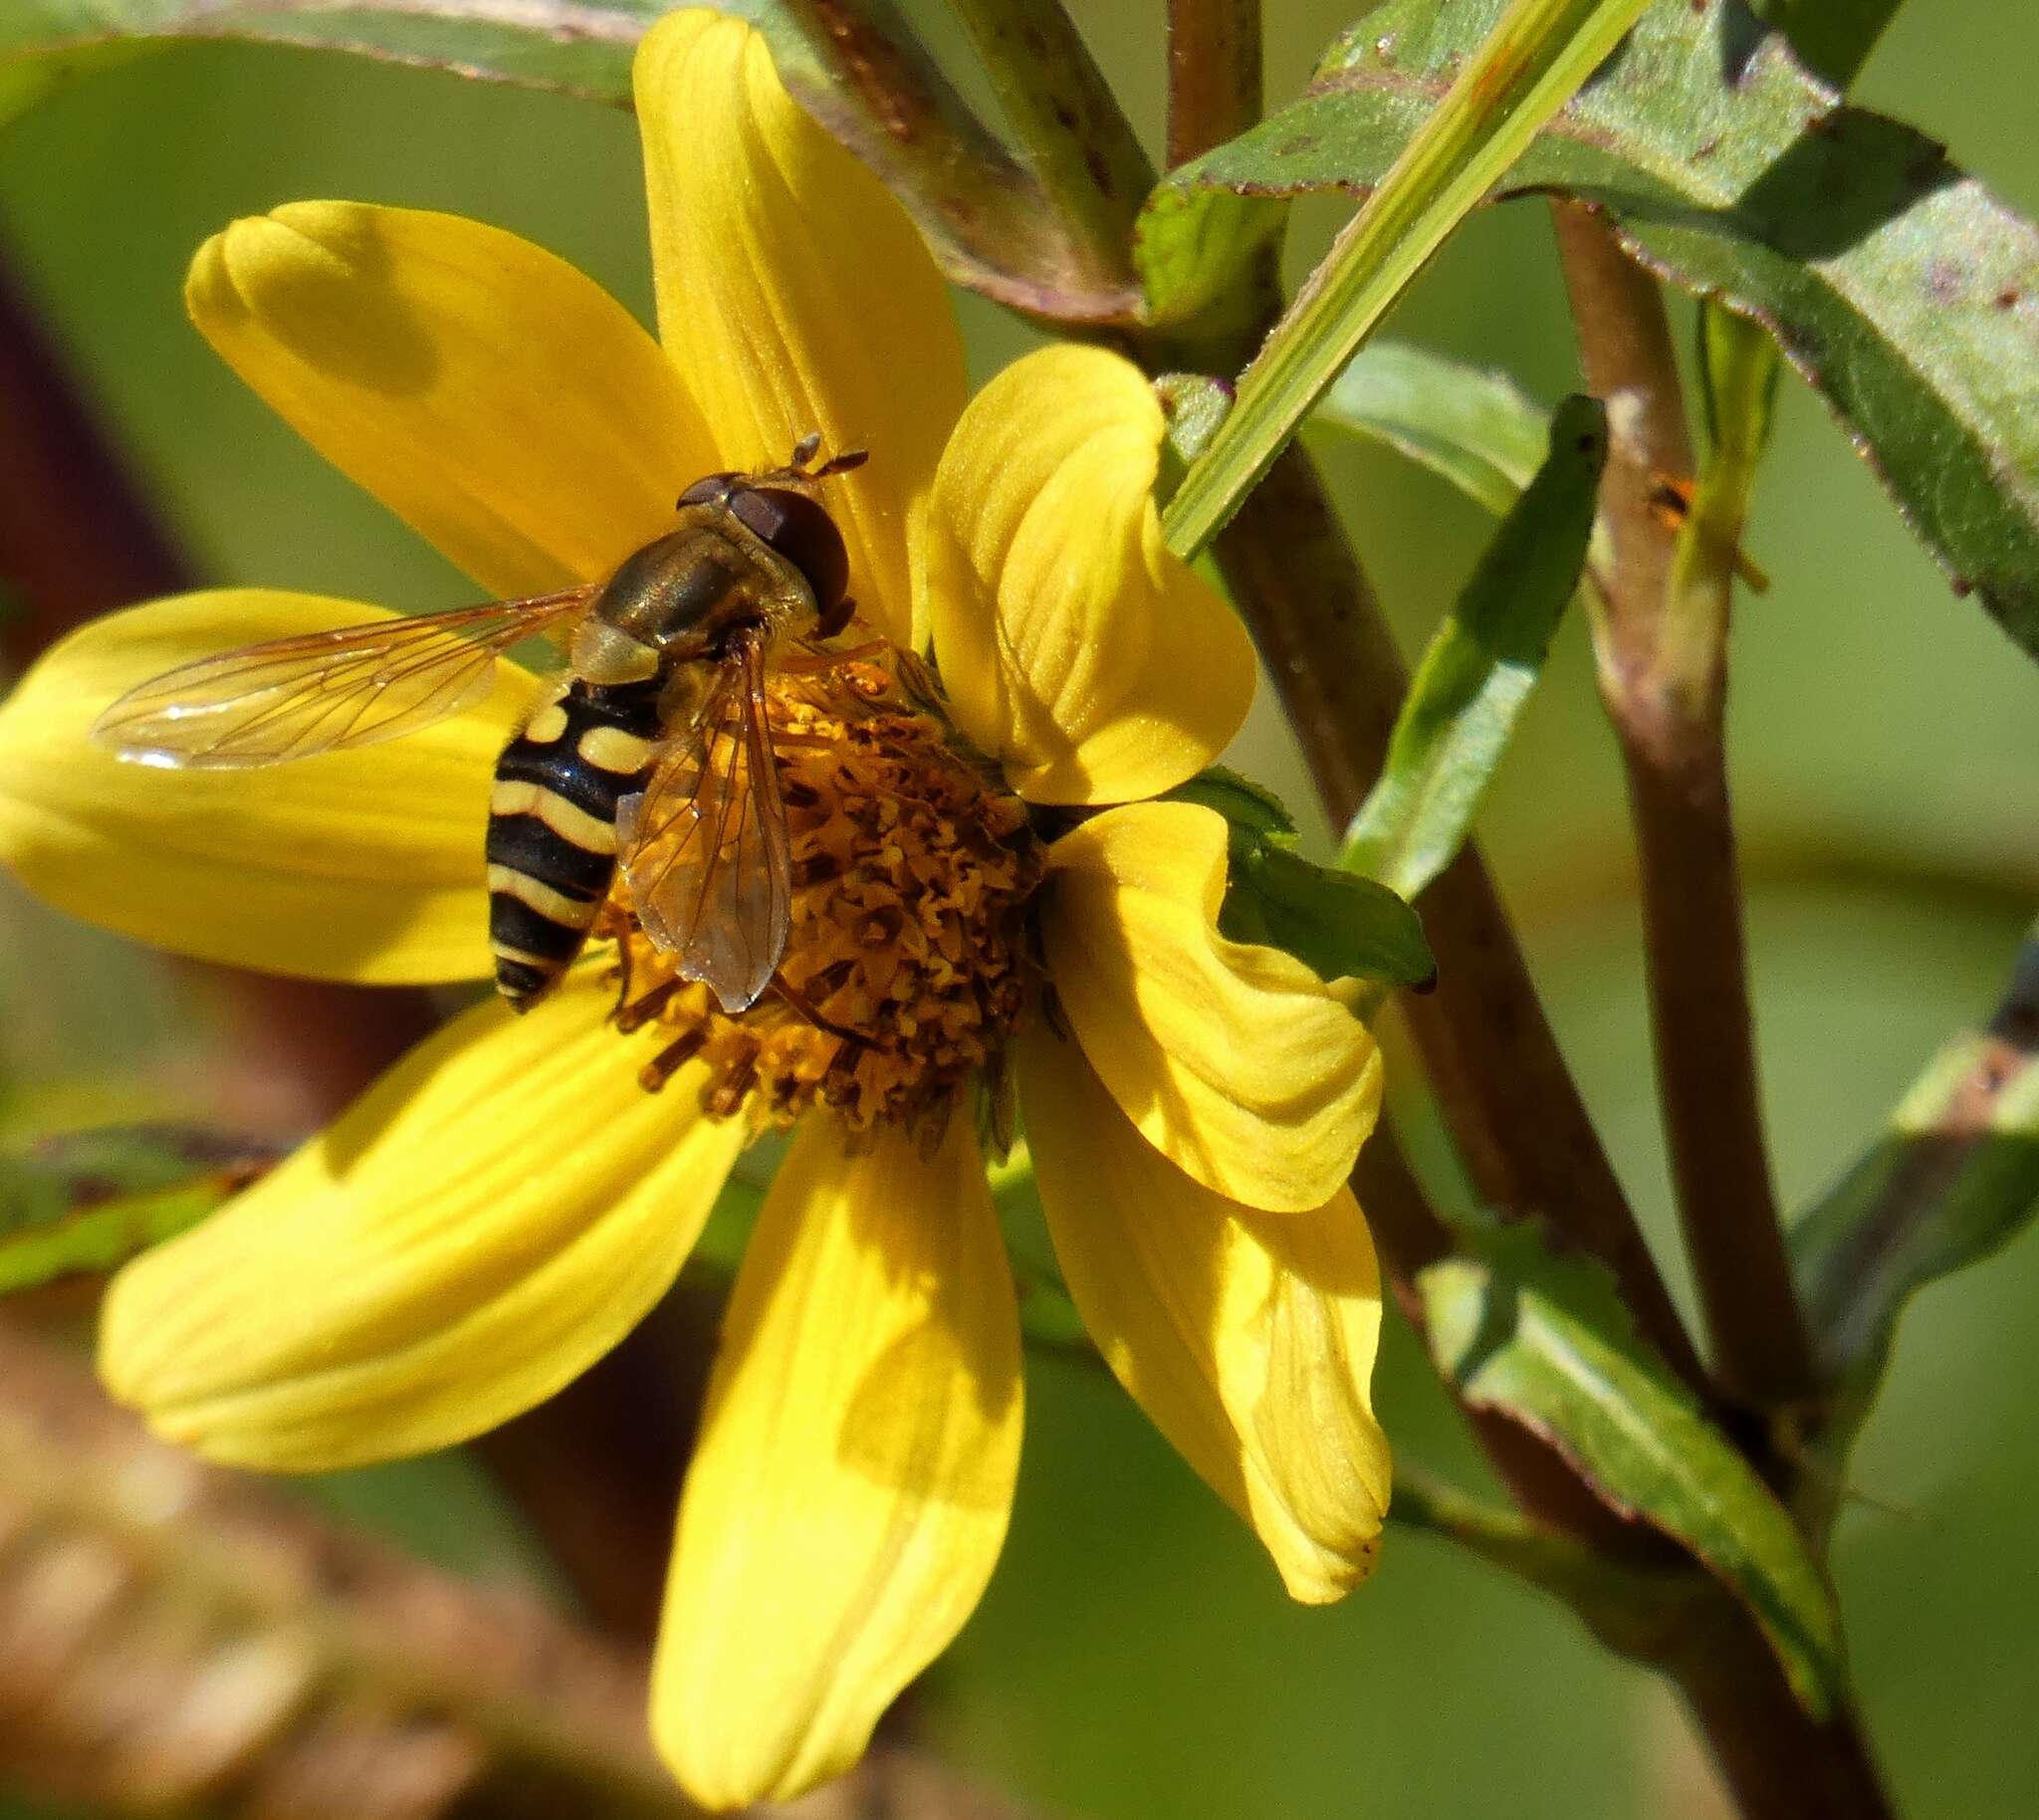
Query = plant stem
x=1090 y=162
x=1778 y=1764
x=1662 y=642
x=77 y=539
x=1488 y=1047
x=1213 y=74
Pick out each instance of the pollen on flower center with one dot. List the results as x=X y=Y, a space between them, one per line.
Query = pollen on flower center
x=906 y=963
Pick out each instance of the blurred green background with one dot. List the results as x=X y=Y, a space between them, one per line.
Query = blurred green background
x=1135 y=1656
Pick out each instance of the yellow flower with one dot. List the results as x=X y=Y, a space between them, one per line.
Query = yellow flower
x=510 y=1200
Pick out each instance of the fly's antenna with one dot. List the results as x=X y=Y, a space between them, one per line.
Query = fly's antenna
x=801 y=469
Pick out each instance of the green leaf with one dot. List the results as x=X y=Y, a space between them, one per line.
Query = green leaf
x=1475 y=428
x=1546 y=1341
x=855 y=68
x=1339 y=925
x=1902 y=290
x=90 y=1199
x=1469 y=690
x=1527 y=59
x=1953 y=1177
x=1254 y=811
x=1195 y=406
x=1832 y=37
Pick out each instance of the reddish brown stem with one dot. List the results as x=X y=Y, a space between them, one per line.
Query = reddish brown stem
x=1663 y=676
x=1486 y=1044
x=1213 y=74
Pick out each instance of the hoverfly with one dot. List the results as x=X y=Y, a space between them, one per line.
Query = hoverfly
x=651 y=751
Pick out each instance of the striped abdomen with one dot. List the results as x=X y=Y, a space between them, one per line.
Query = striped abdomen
x=553 y=826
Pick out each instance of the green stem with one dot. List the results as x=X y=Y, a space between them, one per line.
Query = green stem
x=1090 y=162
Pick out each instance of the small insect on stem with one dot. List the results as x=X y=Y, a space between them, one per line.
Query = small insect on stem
x=1671 y=501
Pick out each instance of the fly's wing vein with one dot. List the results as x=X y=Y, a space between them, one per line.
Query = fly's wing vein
x=291 y=698
x=705 y=849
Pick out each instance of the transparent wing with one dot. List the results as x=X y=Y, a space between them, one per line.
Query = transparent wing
x=265 y=704
x=704 y=845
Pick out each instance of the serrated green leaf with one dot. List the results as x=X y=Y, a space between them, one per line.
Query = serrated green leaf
x=1902 y=290
x=1476 y=428
x=1545 y=1341
x=1953 y=1177
x=90 y=1199
x=854 y=67
x=1527 y=58
x=1469 y=690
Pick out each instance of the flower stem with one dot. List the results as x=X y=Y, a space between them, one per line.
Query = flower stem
x=1662 y=642
x=1213 y=74
x=1090 y=162
x=1486 y=1046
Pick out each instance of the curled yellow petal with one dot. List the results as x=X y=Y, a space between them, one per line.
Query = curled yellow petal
x=1234 y=1060
x=855 y=1469
x=794 y=291
x=1248 y=1338
x=1073 y=644
x=481 y=1226
x=359 y=865
x=504 y=405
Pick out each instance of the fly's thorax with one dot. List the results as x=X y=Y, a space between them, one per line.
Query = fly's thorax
x=908 y=959
x=684 y=595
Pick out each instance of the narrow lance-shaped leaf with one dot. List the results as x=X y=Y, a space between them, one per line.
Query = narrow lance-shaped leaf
x=90 y=1199
x=852 y=63
x=1469 y=690
x=1902 y=290
x=1545 y=1341
x=1530 y=58
x=1953 y=1177
x=1475 y=428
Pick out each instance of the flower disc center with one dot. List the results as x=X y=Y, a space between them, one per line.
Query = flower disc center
x=906 y=963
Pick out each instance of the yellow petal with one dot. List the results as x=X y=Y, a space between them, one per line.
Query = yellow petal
x=500 y=402
x=1233 y=1059
x=1248 y=1338
x=855 y=1470
x=1072 y=643
x=359 y=865
x=481 y=1226
x=794 y=291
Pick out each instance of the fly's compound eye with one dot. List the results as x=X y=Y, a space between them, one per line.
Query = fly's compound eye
x=803 y=534
x=708 y=488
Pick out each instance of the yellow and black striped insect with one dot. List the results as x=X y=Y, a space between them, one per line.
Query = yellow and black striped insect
x=652 y=750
